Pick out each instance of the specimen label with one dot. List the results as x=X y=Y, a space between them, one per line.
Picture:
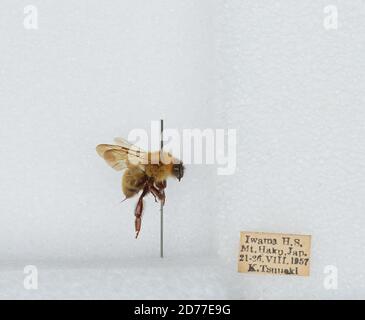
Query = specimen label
x=274 y=253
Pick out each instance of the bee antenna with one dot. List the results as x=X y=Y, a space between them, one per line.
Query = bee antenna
x=124 y=199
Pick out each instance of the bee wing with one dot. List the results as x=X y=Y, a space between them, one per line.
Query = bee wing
x=119 y=157
x=126 y=144
x=113 y=155
x=133 y=151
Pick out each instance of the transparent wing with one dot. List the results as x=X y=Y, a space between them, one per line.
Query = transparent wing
x=113 y=155
x=133 y=150
x=119 y=157
x=126 y=144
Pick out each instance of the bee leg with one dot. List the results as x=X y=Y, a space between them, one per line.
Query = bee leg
x=139 y=210
x=161 y=187
x=162 y=184
x=157 y=193
x=149 y=184
x=153 y=191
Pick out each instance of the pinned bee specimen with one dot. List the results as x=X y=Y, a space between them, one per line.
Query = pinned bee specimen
x=145 y=172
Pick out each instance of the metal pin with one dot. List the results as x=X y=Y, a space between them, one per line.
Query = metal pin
x=161 y=205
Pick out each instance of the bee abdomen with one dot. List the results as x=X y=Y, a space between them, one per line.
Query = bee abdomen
x=130 y=192
x=132 y=182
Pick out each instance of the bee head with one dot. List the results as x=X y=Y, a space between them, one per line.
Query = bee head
x=178 y=170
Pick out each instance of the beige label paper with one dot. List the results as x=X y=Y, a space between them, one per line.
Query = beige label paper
x=274 y=253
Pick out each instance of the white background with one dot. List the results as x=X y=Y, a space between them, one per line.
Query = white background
x=293 y=90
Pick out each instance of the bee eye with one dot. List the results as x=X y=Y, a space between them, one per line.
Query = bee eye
x=181 y=171
x=178 y=170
